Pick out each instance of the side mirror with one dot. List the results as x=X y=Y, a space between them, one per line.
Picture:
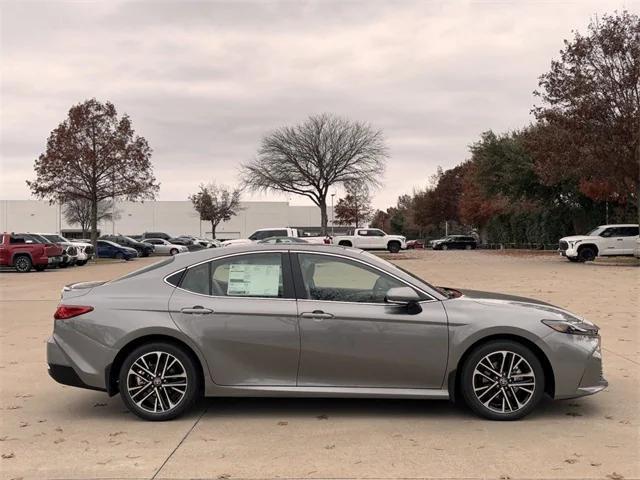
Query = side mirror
x=405 y=297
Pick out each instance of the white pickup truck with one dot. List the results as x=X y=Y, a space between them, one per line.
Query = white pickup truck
x=603 y=241
x=371 y=239
x=264 y=233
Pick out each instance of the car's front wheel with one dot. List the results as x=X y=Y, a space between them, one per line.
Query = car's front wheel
x=502 y=380
x=173 y=251
x=22 y=263
x=159 y=381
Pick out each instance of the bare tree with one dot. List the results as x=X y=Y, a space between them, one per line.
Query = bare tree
x=216 y=203
x=77 y=211
x=94 y=155
x=309 y=158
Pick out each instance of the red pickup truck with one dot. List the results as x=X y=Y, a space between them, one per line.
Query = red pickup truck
x=17 y=253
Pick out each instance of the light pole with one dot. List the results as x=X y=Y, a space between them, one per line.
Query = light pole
x=332 y=195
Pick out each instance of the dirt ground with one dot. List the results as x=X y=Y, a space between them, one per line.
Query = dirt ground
x=51 y=431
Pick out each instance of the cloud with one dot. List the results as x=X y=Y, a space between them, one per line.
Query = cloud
x=203 y=81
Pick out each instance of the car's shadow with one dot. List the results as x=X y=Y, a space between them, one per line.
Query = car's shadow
x=93 y=405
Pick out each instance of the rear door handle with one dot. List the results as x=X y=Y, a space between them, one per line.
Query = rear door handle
x=197 y=310
x=316 y=314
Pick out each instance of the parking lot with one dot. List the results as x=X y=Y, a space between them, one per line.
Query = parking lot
x=52 y=431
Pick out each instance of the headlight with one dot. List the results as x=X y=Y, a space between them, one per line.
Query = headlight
x=573 y=327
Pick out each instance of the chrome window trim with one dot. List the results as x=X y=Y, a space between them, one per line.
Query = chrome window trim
x=227 y=296
x=312 y=252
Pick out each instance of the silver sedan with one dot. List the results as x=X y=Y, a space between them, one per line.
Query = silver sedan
x=306 y=321
x=163 y=247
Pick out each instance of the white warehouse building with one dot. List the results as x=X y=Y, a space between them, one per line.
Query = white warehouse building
x=172 y=217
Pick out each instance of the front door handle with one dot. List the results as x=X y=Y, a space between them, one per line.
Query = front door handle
x=316 y=314
x=197 y=310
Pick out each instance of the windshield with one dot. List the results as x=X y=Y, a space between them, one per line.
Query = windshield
x=595 y=232
x=55 y=238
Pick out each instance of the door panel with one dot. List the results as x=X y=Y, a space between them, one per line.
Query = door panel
x=249 y=333
x=245 y=341
x=366 y=345
x=349 y=336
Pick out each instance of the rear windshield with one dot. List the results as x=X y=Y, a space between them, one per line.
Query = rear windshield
x=146 y=269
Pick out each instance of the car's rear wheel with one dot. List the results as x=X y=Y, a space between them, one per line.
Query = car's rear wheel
x=394 y=247
x=22 y=263
x=159 y=381
x=119 y=255
x=81 y=262
x=502 y=380
x=444 y=247
x=587 y=254
x=344 y=243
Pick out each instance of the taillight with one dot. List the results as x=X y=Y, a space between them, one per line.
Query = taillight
x=64 y=312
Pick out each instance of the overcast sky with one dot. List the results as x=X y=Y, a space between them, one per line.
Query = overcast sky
x=204 y=81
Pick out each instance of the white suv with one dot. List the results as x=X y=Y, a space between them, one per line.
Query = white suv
x=605 y=240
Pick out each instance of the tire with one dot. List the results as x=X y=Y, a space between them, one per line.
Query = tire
x=63 y=265
x=393 y=247
x=22 y=263
x=344 y=244
x=40 y=268
x=444 y=247
x=485 y=395
x=81 y=262
x=119 y=256
x=573 y=260
x=587 y=254
x=468 y=247
x=158 y=396
x=173 y=251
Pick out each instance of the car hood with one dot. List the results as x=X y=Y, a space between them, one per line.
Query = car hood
x=496 y=299
x=573 y=238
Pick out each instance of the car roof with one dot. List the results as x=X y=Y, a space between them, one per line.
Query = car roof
x=619 y=225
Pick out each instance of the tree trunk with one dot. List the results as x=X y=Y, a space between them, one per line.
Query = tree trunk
x=213 y=230
x=323 y=216
x=94 y=224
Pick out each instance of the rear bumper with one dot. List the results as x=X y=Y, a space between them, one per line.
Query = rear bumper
x=67 y=376
x=75 y=359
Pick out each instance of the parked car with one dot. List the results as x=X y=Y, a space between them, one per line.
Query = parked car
x=185 y=242
x=459 y=242
x=108 y=249
x=264 y=233
x=84 y=249
x=283 y=240
x=314 y=321
x=602 y=241
x=203 y=242
x=70 y=255
x=415 y=244
x=54 y=251
x=164 y=247
x=164 y=236
x=143 y=249
x=371 y=239
x=17 y=253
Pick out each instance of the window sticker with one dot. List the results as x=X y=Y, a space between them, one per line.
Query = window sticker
x=253 y=280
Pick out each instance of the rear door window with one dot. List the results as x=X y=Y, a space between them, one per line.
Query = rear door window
x=258 y=275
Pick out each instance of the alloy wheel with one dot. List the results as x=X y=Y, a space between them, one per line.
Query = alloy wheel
x=504 y=381
x=157 y=382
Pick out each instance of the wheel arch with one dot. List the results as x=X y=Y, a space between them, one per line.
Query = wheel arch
x=112 y=370
x=590 y=245
x=20 y=254
x=345 y=243
x=453 y=380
